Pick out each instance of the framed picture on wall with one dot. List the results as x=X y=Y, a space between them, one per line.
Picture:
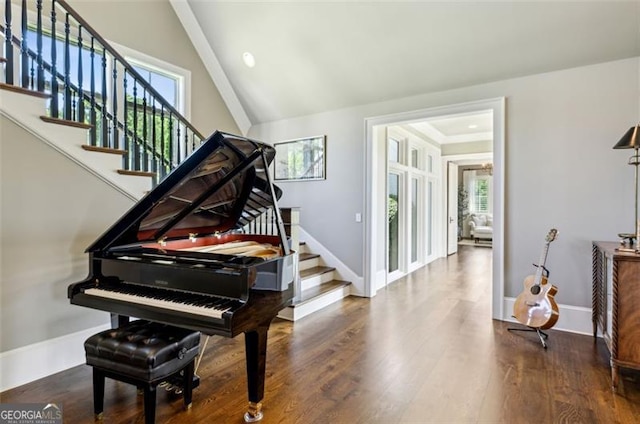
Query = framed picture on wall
x=302 y=159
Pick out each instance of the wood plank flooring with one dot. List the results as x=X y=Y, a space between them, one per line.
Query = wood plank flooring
x=424 y=350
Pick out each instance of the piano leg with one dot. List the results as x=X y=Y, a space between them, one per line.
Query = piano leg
x=118 y=321
x=256 y=351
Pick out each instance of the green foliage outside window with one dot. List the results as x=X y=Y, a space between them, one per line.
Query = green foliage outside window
x=157 y=133
x=481 y=195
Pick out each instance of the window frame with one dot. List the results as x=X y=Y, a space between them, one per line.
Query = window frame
x=183 y=76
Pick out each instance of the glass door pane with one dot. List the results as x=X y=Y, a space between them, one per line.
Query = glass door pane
x=415 y=229
x=430 y=218
x=393 y=221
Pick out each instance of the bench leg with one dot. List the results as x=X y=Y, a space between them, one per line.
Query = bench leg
x=98 y=392
x=150 y=405
x=188 y=384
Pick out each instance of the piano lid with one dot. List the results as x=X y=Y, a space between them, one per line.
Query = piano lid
x=223 y=185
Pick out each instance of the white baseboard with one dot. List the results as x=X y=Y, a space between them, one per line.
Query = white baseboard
x=573 y=319
x=380 y=280
x=28 y=363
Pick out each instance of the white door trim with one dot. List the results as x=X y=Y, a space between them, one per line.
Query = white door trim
x=452 y=207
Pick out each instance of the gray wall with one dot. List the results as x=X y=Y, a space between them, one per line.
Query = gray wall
x=560 y=169
x=152 y=28
x=51 y=210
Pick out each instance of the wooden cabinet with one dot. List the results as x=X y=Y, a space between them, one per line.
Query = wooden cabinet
x=616 y=305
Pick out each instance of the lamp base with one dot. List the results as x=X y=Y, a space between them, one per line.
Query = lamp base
x=627 y=238
x=628 y=242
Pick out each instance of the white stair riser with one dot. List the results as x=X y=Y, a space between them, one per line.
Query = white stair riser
x=309 y=263
x=315 y=281
x=316 y=304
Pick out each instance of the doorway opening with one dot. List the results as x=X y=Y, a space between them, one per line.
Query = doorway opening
x=408 y=188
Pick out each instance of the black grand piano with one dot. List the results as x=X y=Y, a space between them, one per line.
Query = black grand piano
x=179 y=257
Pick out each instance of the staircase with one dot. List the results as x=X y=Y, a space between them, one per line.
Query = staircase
x=320 y=286
x=49 y=49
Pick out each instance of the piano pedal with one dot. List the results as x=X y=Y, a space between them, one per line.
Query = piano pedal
x=174 y=386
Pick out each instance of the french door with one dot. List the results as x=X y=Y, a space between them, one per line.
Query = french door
x=410 y=204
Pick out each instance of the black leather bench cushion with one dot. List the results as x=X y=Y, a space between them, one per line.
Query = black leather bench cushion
x=142 y=350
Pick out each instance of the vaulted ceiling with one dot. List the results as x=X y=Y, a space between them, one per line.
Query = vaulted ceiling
x=314 y=56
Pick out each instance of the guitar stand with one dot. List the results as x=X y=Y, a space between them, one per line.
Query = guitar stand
x=541 y=334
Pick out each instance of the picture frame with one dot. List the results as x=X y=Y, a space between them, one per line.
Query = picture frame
x=301 y=159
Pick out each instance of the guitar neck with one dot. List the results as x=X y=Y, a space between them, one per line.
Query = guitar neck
x=543 y=259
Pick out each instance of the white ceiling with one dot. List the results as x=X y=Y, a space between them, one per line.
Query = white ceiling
x=314 y=56
x=462 y=128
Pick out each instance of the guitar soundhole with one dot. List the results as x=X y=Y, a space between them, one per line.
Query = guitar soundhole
x=535 y=290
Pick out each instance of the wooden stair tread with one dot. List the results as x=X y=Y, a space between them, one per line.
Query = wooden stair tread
x=307 y=256
x=315 y=271
x=66 y=122
x=316 y=291
x=136 y=173
x=21 y=90
x=103 y=150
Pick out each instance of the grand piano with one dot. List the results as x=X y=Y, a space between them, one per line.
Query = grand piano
x=179 y=255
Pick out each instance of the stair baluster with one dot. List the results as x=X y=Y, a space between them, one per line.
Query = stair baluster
x=54 y=70
x=40 y=73
x=8 y=50
x=80 y=106
x=23 y=48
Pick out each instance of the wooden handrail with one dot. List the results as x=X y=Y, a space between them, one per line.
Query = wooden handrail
x=126 y=64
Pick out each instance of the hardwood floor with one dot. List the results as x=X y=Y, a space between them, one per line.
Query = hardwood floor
x=424 y=350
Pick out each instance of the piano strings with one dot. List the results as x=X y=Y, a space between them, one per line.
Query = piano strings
x=239 y=248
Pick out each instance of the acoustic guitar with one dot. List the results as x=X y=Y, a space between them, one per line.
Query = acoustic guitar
x=536 y=307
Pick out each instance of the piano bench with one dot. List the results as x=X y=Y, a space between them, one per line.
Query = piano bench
x=145 y=354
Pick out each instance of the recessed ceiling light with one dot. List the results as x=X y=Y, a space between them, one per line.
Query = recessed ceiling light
x=473 y=126
x=248 y=59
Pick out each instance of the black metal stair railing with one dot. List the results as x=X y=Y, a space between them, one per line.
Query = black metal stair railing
x=90 y=82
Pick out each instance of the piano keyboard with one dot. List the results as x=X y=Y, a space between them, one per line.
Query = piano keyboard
x=197 y=304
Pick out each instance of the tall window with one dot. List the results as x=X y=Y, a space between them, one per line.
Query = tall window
x=480 y=194
x=394 y=150
x=415 y=197
x=393 y=211
x=166 y=84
